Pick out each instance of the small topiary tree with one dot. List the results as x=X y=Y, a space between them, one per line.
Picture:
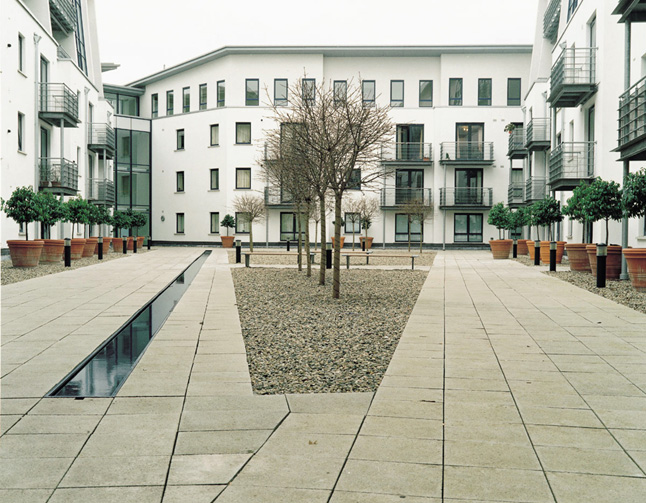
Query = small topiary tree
x=51 y=211
x=546 y=212
x=78 y=212
x=228 y=222
x=633 y=197
x=120 y=220
x=139 y=219
x=602 y=201
x=575 y=204
x=22 y=207
x=368 y=210
x=103 y=217
x=499 y=218
x=518 y=218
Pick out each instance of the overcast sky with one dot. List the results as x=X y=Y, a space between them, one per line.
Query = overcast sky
x=143 y=36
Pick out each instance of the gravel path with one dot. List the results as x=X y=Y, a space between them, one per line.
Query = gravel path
x=380 y=258
x=300 y=340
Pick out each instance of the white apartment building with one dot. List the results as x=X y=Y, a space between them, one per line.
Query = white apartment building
x=56 y=126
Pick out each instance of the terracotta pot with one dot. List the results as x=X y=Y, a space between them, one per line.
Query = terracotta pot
x=130 y=245
x=90 y=245
x=140 y=242
x=500 y=248
x=613 y=261
x=117 y=245
x=227 y=241
x=636 y=262
x=368 y=241
x=545 y=251
x=531 y=248
x=53 y=250
x=106 y=245
x=25 y=253
x=78 y=244
x=578 y=257
x=521 y=249
x=342 y=241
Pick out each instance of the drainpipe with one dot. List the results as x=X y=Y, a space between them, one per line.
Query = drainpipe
x=36 y=118
x=444 y=215
x=624 y=220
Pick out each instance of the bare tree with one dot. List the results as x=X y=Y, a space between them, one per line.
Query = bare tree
x=352 y=210
x=368 y=211
x=252 y=208
x=417 y=211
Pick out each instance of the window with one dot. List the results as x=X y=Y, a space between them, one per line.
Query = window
x=289 y=227
x=179 y=223
x=243 y=178
x=79 y=35
x=186 y=99
x=410 y=142
x=242 y=223
x=468 y=186
x=128 y=105
x=355 y=179
x=243 y=133
x=215 y=179
x=309 y=89
x=170 y=105
x=513 y=92
x=21 y=53
x=215 y=135
x=220 y=91
x=340 y=91
x=368 y=93
x=484 y=92
x=455 y=92
x=352 y=223
x=280 y=92
x=180 y=139
x=180 y=181
x=409 y=185
x=467 y=228
x=215 y=222
x=21 y=132
x=571 y=7
x=469 y=138
x=252 y=95
x=396 y=93
x=425 y=93
x=203 y=96
x=154 y=105
x=402 y=226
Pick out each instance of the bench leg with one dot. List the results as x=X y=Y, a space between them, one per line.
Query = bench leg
x=412 y=265
x=367 y=260
x=246 y=260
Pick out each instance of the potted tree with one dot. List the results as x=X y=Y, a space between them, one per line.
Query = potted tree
x=252 y=208
x=634 y=204
x=546 y=213
x=23 y=208
x=79 y=213
x=130 y=238
x=139 y=219
x=353 y=216
x=368 y=210
x=519 y=219
x=228 y=222
x=103 y=217
x=499 y=218
x=120 y=220
x=576 y=252
x=51 y=211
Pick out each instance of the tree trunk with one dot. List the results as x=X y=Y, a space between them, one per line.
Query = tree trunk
x=307 y=242
x=250 y=237
x=352 y=236
x=607 y=220
x=300 y=238
x=316 y=237
x=336 y=267
x=26 y=231
x=323 y=239
x=409 y=234
x=421 y=234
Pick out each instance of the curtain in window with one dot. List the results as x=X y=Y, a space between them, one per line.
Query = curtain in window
x=243 y=179
x=243 y=133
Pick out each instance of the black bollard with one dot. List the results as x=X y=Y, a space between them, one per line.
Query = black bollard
x=68 y=252
x=134 y=245
x=148 y=243
x=602 y=254
x=288 y=245
x=515 y=249
x=537 y=252
x=125 y=245
x=552 y=256
x=328 y=256
x=238 y=251
x=100 y=248
x=363 y=245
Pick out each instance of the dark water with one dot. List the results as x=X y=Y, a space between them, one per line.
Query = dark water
x=103 y=373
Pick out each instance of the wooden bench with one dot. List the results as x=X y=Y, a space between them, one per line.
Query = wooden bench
x=370 y=254
x=247 y=255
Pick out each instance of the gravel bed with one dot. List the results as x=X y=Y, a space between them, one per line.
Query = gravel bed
x=300 y=340
x=11 y=274
x=424 y=259
x=525 y=260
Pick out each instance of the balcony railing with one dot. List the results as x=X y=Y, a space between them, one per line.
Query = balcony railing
x=278 y=198
x=58 y=102
x=535 y=188
x=551 y=20
x=101 y=191
x=407 y=152
x=538 y=134
x=58 y=175
x=515 y=193
x=466 y=152
x=481 y=197
x=573 y=77
x=62 y=53
x=631 y=11
x=394 y=197
x=632 y=122
x=516 y=146
x=570 y=163
x=100 y=137
x=63 y=15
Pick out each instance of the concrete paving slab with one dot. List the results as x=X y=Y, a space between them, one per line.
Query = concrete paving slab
x=330 y=403
x=32 y=473
x=205 y=468
x=108 y=495
x=263 y=494
x=117 y=471
x=581 y=488
x=221 y=442
x=192 y=494
x=25 y=495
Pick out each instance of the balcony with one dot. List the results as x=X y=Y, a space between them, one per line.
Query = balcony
x=517 y=148
x=466 y=152
x=277 y=198
x=570 y=163
x=535 y=189
x=63 y=15
x=61 y=54
x=407 y=153
x=633 y=11
x=538 y=134
x=57 y=103
x=100 y=191
x=100 y=138
x=396 y=197
x=515 y=196
x=573 y=77
x=632 y=123
x=551 y=20
x=458 y=198
x=58 y=175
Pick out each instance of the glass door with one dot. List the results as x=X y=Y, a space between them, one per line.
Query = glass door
x=410 y=142
x=469 y=138
x=409 y=185
x=468 y=186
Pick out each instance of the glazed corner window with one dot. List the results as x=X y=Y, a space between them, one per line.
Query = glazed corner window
x=203 y=96
x=425 y=93
x=170 y=102
x=242 y=223
x=396 y=93
x=243 y=178
x=154 y=105
x=252 y=92
x=179 y=223
x=180 y=181
x=180 y=139
x=455 y=92
x=340 y=91
x=309 y=89
x=21 y=53
x=484 y=92
x=243 y=133
x=352 y=223
x=280 y=92
x=21 y=132
x=220 y=92
x=355 y=179
x=368 y=93
x=513 y=92
x=215 y=134
x=186 y=99
x=215 y=179
x=215 y=223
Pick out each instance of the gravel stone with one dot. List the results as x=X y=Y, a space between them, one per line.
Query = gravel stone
x=380 y=258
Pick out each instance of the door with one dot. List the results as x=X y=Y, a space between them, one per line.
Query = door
x=468 y=186
x=590 y=138
x=44 y=79
x=409 y=185
x=410 y=142
x=45 y=164
x=469 y=138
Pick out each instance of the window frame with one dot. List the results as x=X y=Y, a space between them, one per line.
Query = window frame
x=240 y=170
x=252 y=102
x=186 y=100
x=468 y=233
x=367 y=102
x=482 y=100
x=354 y=182
x=393 y=102
x=180 y=217
x=241 y=221
x=21 y=132
x=170 y=103
x=356 y=224
x=181 y=139
x=154 y=105
x=216 y=172
x=203 y=103
x=238 y=124
x=179 y=182
x=457 y=101
x=21 y=53
x=306 y=89
x=281 y=102
x=220 y=86
x=338 y=100
x=217 y=222
x=425 y=102
x=402 y=237
x=294 y=233
x=516 y=101
x=214 y=127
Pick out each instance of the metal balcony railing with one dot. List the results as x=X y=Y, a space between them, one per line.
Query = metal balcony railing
x=100 y=136
x=62 y=53
x=631 y=11
x=535 y=188
x=393 y=197
x=407 y=152
x=516 y=147
x=551 y=20
x=58 y=102
x=515 y=193
x=570 y=163
x=466 y=196
x=632 y=117
x=100 y=190
x=58 y=174
x=278 y=197
x=537 y=136
x=63 y=15
x=476 y=152
x=573 y=77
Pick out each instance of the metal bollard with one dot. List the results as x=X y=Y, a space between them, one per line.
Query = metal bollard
x=134 y=245
x=363 y=245
x=552 y=256
x=238 y=251
x=288 y=245
x=68 y=252
x=125 y=245
x=537 y=252
x=100 y=248
x=602 y=254
x=515 y=249
x=148 y=243
x=328 y=256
